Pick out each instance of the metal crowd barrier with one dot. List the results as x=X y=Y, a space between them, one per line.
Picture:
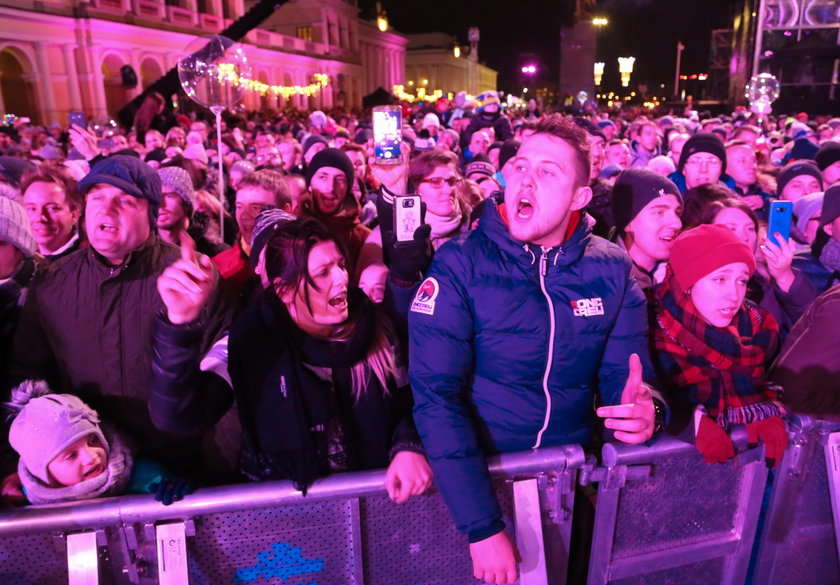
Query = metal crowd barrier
x=664 y=516
x=345 y=531
x=799 y=542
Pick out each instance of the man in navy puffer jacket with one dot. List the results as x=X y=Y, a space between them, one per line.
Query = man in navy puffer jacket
x=516 y=329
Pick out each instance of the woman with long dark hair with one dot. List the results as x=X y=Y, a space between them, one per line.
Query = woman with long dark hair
x=315 y=371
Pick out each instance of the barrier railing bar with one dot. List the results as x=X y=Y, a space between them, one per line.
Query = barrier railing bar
x=661 y=447
x=76 y=516
x=82 y=559
x=673 y=557
x=357 y=542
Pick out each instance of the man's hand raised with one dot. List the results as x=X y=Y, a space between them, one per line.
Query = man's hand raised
x=186 y=285
x=633 y=419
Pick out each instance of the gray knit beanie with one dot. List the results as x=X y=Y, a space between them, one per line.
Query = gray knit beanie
x=179 y=180
x=46 y=424
x=14 y=227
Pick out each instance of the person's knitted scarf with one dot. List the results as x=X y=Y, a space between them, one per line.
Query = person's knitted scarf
x=720 y=368
x=111 y=482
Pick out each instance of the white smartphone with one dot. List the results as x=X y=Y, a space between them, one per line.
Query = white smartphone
x=406 y=216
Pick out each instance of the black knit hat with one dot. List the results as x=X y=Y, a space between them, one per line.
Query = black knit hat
x=311 y=141
x=831 y=204
x=827 y=155
x=267 y=223
x=508 y=151
x=633 y=189
x=330 y=157
x=795 y=169
x=703 y=142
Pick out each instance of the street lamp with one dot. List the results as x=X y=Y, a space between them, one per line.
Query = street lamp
x=600 y=21
x=529 y=69
x=625 y=67
x=456 y=51
x=599 y=72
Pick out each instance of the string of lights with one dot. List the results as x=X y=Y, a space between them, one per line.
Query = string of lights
x=227 y=72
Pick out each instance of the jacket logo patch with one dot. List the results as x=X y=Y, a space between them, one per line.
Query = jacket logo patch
x=588 y=307
x=424 y=300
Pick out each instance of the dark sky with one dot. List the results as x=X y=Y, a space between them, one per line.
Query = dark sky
x=510 y=29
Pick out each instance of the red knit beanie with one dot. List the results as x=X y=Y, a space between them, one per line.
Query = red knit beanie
x=704 y=249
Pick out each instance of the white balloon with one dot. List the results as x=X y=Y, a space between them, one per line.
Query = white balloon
x=210 y=71
x=764 y=88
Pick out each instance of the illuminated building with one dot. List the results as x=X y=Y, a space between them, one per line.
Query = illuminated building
x=72 y=56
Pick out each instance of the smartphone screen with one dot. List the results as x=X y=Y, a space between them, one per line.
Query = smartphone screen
x=387 y=133
x=781 y=213
x=77 y=119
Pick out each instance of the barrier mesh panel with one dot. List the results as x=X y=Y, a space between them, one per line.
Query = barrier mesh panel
x=811 y=561
x=684 y=501
x=293 y=545
x=33 y=560
x=704 y=573
x=416 y=542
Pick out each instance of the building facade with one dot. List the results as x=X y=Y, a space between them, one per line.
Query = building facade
x=438 y=60
x=62 y=56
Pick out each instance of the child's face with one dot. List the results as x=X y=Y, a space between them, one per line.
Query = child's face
x=84 y=459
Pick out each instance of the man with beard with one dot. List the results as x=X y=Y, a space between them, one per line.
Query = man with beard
x=329 y=177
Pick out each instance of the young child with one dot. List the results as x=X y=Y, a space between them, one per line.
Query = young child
x=66 y=455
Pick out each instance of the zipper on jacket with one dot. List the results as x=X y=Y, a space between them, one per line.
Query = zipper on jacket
x=551 y=326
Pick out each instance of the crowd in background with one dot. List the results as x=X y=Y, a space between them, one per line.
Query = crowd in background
x=159 y=327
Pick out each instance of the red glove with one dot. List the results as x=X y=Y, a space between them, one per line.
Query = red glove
x=713 y=442
x=774 y=434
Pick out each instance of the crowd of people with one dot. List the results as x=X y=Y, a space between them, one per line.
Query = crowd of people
x=577 y=278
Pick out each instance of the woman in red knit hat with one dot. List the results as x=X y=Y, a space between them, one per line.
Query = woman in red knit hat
x=711 y=346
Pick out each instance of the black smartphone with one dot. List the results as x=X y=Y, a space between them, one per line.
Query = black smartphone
x=77 y=119
x=387 y=134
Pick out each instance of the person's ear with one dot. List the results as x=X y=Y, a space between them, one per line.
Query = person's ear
x=829 y=229
x=581 y=198
x=284 y=292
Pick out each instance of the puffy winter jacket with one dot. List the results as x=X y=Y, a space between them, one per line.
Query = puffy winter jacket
x=509 y=346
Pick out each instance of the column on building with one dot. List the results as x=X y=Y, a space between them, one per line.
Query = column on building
x=73 y=80
x=44 y=77
x=96 y=79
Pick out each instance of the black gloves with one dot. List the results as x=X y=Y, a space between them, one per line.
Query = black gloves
x=171 y=489
x=407 y=261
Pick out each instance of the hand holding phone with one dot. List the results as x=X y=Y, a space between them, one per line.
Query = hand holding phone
x=781 y=213
x=77 y=119
x=387 y=134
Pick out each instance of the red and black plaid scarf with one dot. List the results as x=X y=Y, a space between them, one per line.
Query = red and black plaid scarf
x=721 y=368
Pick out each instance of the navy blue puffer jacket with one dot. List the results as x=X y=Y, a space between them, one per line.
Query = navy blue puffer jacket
x=509 y=346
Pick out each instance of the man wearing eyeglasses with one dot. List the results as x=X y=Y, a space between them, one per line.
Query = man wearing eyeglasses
x=702 y=161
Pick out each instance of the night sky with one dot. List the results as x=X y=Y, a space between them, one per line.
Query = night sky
x=510 y=30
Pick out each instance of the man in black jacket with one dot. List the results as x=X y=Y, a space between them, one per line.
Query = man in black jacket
x=87 y=323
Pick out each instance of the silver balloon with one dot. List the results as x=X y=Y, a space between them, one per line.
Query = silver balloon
x=211 y=70
x=763 y=88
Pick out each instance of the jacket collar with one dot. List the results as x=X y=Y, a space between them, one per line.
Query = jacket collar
x=494 y=224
